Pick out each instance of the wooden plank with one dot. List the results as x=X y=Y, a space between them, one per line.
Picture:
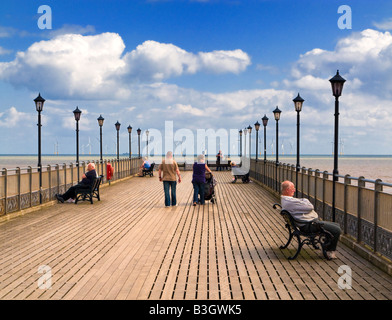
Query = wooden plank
x=128 y=246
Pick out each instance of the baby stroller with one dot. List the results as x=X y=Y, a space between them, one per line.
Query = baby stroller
x=209 y=191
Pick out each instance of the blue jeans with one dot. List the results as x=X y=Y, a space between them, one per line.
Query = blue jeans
x=166 y=187
x=198 y=188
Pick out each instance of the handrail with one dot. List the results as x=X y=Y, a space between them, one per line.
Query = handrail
x=363 y=209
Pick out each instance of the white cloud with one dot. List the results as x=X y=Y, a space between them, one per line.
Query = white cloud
x=77 y=66
x=14 y=118
x=4 y=51
x=384 y=25
x=154 y=61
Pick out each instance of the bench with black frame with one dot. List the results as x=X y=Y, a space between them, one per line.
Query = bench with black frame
x=226 y=165
x=321 y=237
x=149 y=171
x=90 y=192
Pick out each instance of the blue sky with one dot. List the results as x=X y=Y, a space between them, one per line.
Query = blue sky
x=201 y=64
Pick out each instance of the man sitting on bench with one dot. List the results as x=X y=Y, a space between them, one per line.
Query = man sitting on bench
x=87 y=180
x=302 y=211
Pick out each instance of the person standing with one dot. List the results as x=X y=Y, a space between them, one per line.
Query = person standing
x=199 y=179
x=168 y=172
x=218 y=161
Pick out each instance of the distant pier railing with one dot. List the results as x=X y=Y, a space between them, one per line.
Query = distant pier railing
x=363 y=208
x=19 y=187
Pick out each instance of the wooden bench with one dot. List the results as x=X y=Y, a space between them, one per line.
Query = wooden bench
x=149 y=171
x=89 y=193
x=226 y=165
x=240 y=173
x=321 y=237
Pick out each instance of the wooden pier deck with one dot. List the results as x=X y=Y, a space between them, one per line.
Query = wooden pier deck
x=129 y=246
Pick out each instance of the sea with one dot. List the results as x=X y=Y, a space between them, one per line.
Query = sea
x=371 y=167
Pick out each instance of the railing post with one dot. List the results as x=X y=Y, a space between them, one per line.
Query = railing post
x=347 y=182
x=325 y=177
x=19 y=181
x=309 y=175
x=5 y=190
x=58 y=177
x=49 y=170
x=361 y=185
x=377 y=190
x=65 y=177
x=316 y=176
x=30 y=171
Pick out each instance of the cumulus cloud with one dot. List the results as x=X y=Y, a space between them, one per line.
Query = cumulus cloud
x=13 y=118
x=364 y=58
x=158 y=61
x=68 y=65
x=384 y=25
x=74 y=65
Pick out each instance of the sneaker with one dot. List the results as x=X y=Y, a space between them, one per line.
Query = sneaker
x=59 y=198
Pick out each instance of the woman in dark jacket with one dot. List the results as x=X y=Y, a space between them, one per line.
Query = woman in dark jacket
x=199 y=179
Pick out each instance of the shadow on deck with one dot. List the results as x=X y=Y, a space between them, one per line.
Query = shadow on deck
x=129 y=246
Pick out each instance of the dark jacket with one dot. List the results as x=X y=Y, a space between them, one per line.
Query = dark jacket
x=90 y=176
x=199 y=173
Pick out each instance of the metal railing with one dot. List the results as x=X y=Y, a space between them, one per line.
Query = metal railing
x=363 y=207
x=19 y=187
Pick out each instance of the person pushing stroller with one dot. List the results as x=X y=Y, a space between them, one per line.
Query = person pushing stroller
x=199 y=179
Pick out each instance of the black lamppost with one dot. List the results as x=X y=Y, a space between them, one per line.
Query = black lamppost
x=130 y=141
x=277 y=113
x=298 y=102
x=117 y=125
x=147 y=133
x=240 y=132
x=337 y=83
x=265 y=122
x=100 y=123
x=39 y=105
x=139 y=131
x=257 y=127
x=77 y=114
x=250 y=142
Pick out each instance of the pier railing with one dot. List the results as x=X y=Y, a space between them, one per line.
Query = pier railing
x=363 y=207
x=19 y=187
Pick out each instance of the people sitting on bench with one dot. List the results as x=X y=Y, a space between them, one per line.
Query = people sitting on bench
x=302 y=211
x=86 y=182
x=145 y=165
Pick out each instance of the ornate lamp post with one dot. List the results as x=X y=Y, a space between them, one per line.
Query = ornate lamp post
x=337 y=83
x=265 y=122
x=257 y=127
x=277 y=113
x=77 y=114
x=117 y=125
x=245 y=131
x=240 y=132
x=130 y=141
x=100 y=123
x=39 y=105
x=139 y=131
x=298 y=102
x=250 y=144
